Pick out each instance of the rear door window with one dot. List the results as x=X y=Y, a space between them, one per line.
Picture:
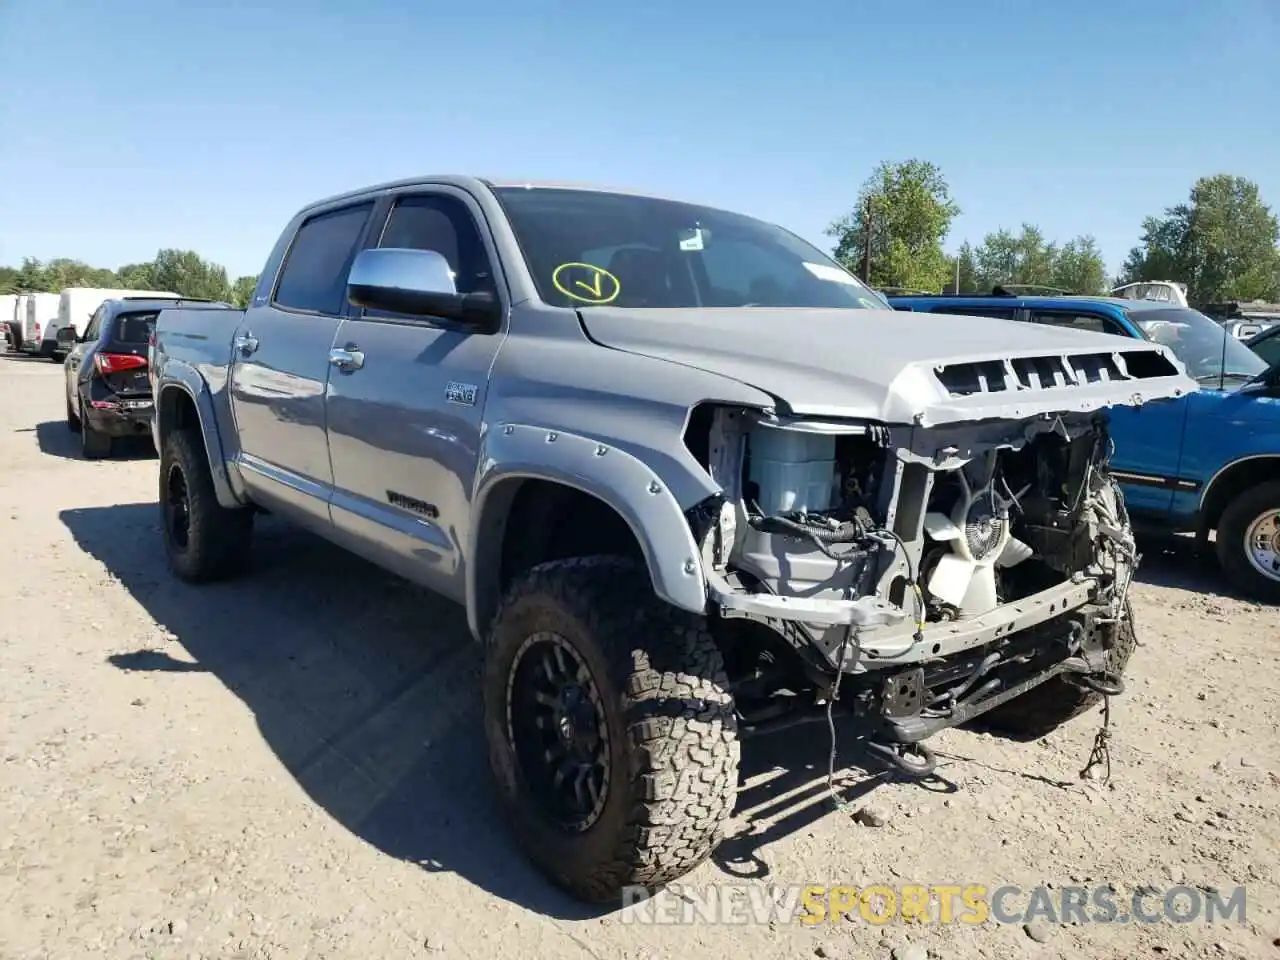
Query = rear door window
x=1076 y=320
x=1000 y=313
x=1269 y=348
x=94 y=330
x=314 y=278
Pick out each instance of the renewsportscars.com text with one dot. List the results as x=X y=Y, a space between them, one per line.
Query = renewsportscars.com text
x=750 y=904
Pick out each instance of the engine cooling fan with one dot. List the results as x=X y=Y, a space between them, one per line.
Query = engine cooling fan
x=978 y=531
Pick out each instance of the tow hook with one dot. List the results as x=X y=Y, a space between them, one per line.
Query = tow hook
x=912 y=759
x=1106 y=683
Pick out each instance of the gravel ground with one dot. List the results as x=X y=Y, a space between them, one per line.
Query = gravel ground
x=291 y=766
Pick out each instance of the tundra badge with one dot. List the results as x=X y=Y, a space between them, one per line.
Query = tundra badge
x=413 y=503
x=460 y=393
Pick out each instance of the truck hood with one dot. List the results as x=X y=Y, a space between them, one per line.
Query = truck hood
x=896 y=366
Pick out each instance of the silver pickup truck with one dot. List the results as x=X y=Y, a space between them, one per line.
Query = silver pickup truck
x=691 y=480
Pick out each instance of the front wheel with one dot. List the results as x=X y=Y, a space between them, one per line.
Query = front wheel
x=611 y=729
x=203 y=540
x=1249 y=542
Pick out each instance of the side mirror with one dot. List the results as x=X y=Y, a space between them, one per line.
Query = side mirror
x=418 y=283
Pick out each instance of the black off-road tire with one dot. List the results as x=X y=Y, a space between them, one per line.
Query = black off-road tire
x=1046 y=707
x=217 y=539
x=93 y=445
x=669 y=716
x=73 y=418
x=1233 y=526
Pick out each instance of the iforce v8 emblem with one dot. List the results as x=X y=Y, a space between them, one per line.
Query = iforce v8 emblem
x=463 y=394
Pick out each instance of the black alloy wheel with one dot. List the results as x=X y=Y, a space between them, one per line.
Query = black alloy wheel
x=557 y=730
x=177 y=508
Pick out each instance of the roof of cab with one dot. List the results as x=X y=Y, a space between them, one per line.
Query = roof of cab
x=472 y=183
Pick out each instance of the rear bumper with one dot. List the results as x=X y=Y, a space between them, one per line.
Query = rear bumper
x=127 y=417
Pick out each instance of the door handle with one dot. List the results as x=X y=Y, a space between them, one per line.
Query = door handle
x=246 y=343
x=347 y=359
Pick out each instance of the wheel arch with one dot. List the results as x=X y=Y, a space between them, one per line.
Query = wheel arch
x=548 y=474
x=1232 y=480
x=181 y=402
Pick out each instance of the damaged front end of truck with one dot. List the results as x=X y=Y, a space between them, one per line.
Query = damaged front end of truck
x=970 y=555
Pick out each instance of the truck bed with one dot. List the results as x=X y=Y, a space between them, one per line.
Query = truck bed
x=197 y=336
x=195 y=342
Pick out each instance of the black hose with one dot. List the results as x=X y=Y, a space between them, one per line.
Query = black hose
x=820 y=537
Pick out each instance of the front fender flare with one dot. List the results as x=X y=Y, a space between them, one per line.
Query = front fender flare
x=619 y=479
x=181 y=376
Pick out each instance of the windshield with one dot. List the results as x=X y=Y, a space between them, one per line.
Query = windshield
x=1206 y=348
x=586 y=247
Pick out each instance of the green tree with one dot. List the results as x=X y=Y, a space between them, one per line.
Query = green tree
x=186 y=273
x=1079 y=267
x=1005 y=257
x=242 y=290
x=183 y=271
x=9 y=280
x=911 y=211
x=1028 y=258
x=1221 y=243
x=136 y=276
x=963 y=272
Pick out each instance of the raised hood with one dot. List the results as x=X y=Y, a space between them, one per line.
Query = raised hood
x=898 y=367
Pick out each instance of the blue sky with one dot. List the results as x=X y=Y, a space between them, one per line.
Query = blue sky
x=204 y=124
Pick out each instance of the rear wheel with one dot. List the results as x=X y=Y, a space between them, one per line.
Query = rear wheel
x=203 y=540
x=1249 y=542
x=93 y=444
x=73 y=418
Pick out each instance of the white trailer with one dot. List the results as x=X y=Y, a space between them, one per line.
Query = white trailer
x=75 y=306
x=20 y=320
x=9 y=326
x=42 y=310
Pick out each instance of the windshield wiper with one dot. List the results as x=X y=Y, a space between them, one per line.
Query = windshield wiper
x=1233 y=375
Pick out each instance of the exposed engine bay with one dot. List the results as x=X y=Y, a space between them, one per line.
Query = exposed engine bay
x=984 y=552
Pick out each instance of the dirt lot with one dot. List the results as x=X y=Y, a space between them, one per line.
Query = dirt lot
x=290 y=765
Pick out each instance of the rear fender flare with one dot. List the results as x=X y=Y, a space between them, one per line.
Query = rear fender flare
x=184 y=378
x=619 y=479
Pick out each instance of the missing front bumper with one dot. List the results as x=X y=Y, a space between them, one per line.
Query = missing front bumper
x=887 y=635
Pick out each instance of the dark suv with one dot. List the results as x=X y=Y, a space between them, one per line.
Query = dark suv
x=108 y=390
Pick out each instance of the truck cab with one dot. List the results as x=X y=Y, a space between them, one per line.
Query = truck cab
x=1206 y=463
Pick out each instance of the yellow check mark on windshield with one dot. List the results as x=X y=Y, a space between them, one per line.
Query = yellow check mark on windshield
x=596 y=289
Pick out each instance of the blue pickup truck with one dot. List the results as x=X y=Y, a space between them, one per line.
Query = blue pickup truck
x=1208 y=462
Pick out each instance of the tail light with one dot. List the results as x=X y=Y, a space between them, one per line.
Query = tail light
x=36 y=334
x=117 y=362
